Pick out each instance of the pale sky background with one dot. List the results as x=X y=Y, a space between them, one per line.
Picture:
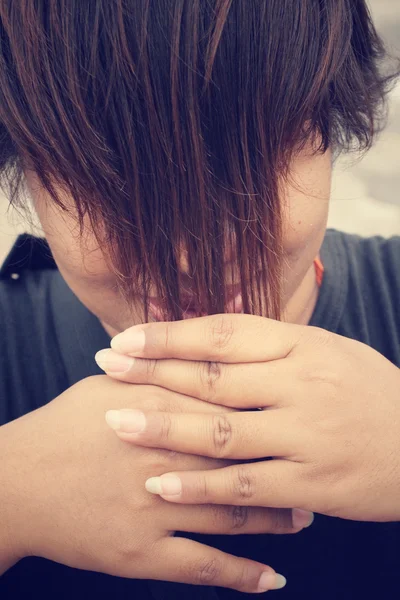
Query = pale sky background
x=365 y=195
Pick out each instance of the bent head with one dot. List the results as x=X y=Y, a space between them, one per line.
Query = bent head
x=188 y=150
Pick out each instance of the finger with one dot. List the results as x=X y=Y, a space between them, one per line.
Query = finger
x=238 y=435
x=187 y=561
x=273 y=483
x=244 y=385
x=238 y=520
x=156 y=398
x=232 y=338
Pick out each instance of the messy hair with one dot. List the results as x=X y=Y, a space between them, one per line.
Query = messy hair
x=173 y=123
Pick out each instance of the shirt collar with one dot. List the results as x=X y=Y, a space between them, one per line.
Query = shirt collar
x=28 y=253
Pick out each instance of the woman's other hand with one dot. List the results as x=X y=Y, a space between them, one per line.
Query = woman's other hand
x=331 y=418
x=73 y=493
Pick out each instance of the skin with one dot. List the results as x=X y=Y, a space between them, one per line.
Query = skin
x=95 y=514
x=330 y=414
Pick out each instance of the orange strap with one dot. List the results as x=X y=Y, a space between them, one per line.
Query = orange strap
x=319 y=271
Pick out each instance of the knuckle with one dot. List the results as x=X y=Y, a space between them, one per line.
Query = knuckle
x=221 y=333
x=243 y=484
x=221 y=435
x=230 y=519
x=210 y=375
x=320 y=374
x=244 y=579
x=150 y=366
x=207 y=571
x=165 y=426
x=239 y=517
x=202 y=488
x=167 y=337
x=126 y=552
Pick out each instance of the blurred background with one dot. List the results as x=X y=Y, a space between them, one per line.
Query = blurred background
x=365 y=194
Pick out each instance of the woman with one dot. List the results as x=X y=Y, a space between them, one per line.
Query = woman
x=179 y=158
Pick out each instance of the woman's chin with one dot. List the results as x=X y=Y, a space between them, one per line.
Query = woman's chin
x=234 y=306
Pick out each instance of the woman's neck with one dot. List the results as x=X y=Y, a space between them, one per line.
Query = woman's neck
x=301 y=305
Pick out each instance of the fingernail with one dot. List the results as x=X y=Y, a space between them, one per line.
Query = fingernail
x=129 y=341
x=126 y=420
x=302 y=518
x=271 y=581
x=111 y=362
x=166 y=485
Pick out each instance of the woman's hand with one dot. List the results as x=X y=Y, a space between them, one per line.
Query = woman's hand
x=331 y=418
x=72 y=493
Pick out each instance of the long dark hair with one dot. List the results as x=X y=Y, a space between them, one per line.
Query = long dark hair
x=173 y=123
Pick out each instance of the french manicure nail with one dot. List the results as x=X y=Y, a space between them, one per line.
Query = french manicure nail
x=302 y=518
x=271 y=581
x=166 y=485
x=111 y=362
x=126 y=420
x=129 y=341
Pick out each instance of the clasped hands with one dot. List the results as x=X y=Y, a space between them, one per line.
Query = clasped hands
x=327 y=439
